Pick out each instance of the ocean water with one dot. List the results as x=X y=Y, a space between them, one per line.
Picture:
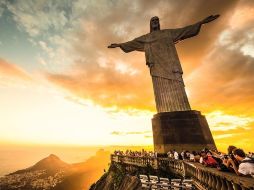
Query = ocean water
x=16 y=157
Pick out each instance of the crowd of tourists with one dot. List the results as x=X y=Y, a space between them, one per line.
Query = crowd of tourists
x=142 y=153
x=235 y=160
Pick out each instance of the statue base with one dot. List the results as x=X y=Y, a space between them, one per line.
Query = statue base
x=181 y=130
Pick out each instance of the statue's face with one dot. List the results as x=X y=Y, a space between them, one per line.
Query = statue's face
x=155 y=23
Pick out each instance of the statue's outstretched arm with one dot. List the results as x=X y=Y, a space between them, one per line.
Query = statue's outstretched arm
x=209 y=19
x=179 y=34
x=114 y=45
x=134 y=45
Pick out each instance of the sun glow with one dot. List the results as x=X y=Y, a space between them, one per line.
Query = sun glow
x=228 y=129
x=51 y=118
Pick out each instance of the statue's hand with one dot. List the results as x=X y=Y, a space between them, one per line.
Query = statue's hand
x=114 y=46
x=209 y=19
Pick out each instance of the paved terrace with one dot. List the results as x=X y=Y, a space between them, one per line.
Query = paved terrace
x=203 y=177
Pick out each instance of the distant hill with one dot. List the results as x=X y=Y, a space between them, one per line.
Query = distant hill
x=50 y=164
x=86 y=173
x=51 y=173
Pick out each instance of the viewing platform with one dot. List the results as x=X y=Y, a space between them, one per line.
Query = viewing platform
x=203 y=177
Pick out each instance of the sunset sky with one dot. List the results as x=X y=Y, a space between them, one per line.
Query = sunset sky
x=60 y=84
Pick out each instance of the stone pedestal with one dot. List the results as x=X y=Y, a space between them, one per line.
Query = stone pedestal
x=181 y=130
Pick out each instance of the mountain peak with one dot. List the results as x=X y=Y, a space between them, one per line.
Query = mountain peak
x=53 y=156
x=52 y=163
x=49 y=158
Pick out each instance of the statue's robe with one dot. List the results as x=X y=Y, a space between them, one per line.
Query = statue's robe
x=164 y=64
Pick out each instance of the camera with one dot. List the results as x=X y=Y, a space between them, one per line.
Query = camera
x=225 y=156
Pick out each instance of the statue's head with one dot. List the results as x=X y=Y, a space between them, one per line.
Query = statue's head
x=154 y=23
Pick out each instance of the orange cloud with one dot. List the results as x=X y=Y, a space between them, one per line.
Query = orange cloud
x=112 y=85
x=12 y=71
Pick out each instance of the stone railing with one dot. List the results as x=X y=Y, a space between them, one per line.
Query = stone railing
x=203 y=177
x=211 y=178
x=172 y=165
x=136 y=161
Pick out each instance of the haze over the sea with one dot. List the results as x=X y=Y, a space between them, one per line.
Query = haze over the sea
x=16 y=157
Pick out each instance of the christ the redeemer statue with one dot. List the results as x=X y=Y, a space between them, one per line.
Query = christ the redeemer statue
x=163 y=61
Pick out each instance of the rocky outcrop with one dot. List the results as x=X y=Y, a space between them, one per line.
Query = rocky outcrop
x=130 y=183
x=117 y=179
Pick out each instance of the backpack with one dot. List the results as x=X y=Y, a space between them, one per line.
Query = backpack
x=248 y=161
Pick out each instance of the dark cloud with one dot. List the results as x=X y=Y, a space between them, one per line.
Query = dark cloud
x=224 y=80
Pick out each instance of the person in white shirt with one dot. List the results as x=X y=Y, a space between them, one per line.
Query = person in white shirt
x=176 y=156
x=201 y=160
x=170 y=155
x=246 y=166
x=192 y=158
x=155 y=154
x=183 y=155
